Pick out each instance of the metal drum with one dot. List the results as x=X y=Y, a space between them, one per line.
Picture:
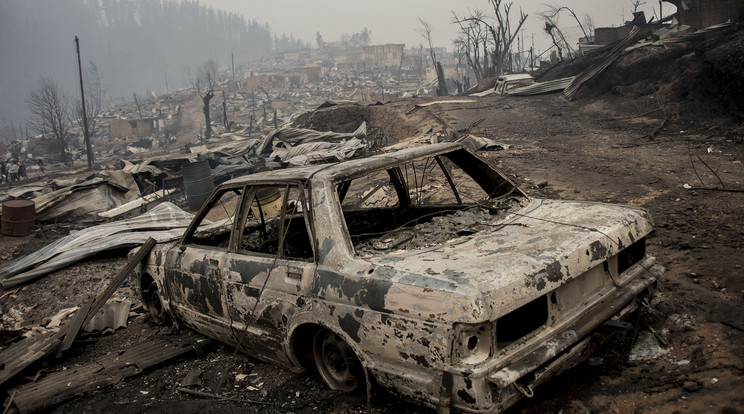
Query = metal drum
x=270 y=202
x=197 y=183
x=18 y=217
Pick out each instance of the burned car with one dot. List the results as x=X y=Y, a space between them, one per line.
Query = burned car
x=424 y=270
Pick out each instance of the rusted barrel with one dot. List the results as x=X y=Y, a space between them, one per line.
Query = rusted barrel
x=197 y=183
x=270 y=201
x=18 y=217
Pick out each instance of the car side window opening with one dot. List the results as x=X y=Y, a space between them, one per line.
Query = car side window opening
x=423 y=203
x=215 y=224
x=274 y=223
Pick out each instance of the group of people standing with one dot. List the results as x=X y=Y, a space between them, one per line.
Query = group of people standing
x=13 y=170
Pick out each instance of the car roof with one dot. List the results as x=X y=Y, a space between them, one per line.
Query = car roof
x=344 y=169
x=514 y=76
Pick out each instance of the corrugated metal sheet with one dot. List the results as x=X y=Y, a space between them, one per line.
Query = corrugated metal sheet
x=107 y=370
x=163 y=223
x=601 y=65
x=542 y=87
x=24 y=353
x=114 y=315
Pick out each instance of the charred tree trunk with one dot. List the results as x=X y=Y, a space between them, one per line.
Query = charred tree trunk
x=206 y=98
x=225 y=122
x=442 y=89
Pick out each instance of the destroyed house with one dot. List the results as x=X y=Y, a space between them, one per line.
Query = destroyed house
x=606 y=35
x=702 y=13
x=133 y=128
x=266 y=81
x=381 y=56
x=307 y=74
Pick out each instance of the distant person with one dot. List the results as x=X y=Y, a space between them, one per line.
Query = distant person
x=22 y=169
x=13 y=171
x=41 y=166
x=3 y=173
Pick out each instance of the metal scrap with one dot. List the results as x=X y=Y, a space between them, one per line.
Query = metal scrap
x=598 y=67
x=318 y=152
x=163 y=223
x=107 y=370
x=542 y=87
x=477 y=143
x=79 y=200
x=302 y=135
x=113 y=315
x=24 y=353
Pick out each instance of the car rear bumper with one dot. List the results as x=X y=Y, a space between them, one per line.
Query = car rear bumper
x=513 y=376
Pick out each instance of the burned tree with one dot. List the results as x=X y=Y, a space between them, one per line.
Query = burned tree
x=496 y=48
x=552 y=13
x=205 y=88
x=425 y=32
x=473 y=37
x=50 y=113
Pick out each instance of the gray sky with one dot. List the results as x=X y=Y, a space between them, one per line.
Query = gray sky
x=395 y=21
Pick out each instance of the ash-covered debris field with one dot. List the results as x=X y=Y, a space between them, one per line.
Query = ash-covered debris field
x=384 y=237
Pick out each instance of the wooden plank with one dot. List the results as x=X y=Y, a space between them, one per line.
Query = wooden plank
x=111 y=288
x=73 y=327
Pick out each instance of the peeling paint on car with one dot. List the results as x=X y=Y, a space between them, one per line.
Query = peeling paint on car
x=430 y=322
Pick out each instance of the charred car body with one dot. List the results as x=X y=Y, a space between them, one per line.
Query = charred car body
x=425 y=269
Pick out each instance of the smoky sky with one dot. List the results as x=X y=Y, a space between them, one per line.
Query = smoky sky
x=395 y=21
x=36 y=37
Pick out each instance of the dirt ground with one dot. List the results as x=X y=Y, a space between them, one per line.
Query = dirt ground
x=594 y=149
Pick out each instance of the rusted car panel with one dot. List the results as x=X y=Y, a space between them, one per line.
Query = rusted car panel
x=426 y=268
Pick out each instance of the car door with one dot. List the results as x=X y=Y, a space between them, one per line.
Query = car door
x=269 y=275
x=194 y=268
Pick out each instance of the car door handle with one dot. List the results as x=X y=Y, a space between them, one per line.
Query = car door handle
x=294 y=275
x=213 y=263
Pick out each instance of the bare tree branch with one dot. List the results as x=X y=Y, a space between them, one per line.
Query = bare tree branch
x=50 y=113
x=475 y=31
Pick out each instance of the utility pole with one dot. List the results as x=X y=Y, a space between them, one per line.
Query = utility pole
x=522 y=47
x=232 y=58
x=532 y=53
x=86 y=134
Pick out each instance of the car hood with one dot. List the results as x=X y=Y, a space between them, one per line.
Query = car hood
x=483 y=276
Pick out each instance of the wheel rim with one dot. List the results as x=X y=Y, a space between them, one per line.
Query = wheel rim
x=336 y=361
x=154 y=305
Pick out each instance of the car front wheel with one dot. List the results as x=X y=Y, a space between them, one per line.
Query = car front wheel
x=154 y=305
x=336 y=362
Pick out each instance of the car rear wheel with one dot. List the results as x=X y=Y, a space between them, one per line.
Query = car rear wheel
x=336 y=362
x=154 y=305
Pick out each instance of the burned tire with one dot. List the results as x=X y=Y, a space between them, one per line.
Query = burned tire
x=336 y=362
x=152 y=301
